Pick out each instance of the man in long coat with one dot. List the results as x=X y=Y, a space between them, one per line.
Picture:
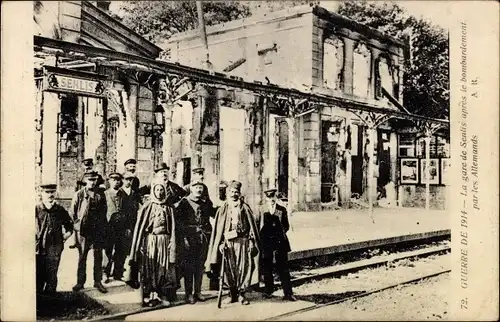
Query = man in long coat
x=89 y=210
x=235 y=235
x=193 y=218
x=273 y=224
x=50 y=219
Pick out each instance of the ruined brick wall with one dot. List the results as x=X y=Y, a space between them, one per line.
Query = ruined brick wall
x=284 y=43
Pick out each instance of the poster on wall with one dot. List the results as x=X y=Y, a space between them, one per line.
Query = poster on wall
x=445 y=165
x=433 y=171
x=409 y=170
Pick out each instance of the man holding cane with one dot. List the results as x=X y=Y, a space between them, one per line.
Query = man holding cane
x=235 y=235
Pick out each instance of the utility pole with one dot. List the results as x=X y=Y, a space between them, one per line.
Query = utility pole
x=203 y=33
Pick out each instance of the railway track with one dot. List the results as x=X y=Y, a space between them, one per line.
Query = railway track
x=327 y=272
x=318 y=306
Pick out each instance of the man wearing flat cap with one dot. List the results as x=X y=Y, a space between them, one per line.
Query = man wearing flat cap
x=89 y=210
x=131 y=167
x=51 y=218
x=273 y=224
x=193 y=221
x=235 y=239
x=118 y=228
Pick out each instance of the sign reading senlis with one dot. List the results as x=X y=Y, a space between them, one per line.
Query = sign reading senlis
x=71 y=81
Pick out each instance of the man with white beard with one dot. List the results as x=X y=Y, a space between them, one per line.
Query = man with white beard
x=50 y=219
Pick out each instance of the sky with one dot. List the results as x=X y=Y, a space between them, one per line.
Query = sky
x=436 y=11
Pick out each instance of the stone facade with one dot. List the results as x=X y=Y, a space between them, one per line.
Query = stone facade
x=287 y=48
x=108 y=129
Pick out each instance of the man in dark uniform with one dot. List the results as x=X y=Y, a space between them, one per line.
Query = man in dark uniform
x=50 y=219
x=198 y=175
x=131 y=199
x=89 y=210
x=273 y=224
x=130 y=167
x=131 y=203
x=118 y=228
x=193 y=219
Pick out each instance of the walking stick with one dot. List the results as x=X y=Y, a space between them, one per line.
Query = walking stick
x=221 y=277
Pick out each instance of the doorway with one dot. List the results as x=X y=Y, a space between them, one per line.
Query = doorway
x=357 y=160
x=70 y=144
x=328 y=160
x=282 y=138
x=384 y=158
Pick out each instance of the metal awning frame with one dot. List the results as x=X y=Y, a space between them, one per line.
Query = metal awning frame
x=292 y=101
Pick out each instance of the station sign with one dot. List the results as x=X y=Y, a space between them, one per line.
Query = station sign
x=63 y=80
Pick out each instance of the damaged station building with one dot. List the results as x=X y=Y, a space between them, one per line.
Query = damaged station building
x=301 y=99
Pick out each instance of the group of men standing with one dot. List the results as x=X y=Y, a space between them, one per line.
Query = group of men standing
x=167 y=231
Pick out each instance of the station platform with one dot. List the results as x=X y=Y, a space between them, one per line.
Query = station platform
x=312 y=234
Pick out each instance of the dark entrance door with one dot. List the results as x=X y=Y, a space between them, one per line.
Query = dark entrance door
x=384 y=158
x=282 y=128
x=328 y=161
x=357 y=162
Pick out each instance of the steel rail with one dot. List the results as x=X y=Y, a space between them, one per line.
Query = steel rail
x=64 y=48
x=344 y=269
x=357 y=296
x=295 y=282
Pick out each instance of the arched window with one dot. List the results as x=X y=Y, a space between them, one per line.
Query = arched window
x=361 y=70
x=333 y=63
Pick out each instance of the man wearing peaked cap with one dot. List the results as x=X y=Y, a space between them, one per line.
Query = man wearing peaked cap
x=193 y=218
x=116 y=228
x=198 y=175
x=174 y=191
x=89 y=210
x=51 y=218
x=87 y=166
x=130 y=161
x=131 y=167
x=272 y=221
